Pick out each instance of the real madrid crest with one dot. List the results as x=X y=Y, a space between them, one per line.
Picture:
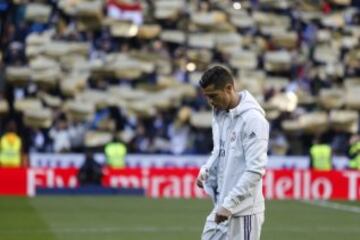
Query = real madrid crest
x=233 y=136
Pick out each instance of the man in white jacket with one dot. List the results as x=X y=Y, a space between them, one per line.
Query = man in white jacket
x=232 y=176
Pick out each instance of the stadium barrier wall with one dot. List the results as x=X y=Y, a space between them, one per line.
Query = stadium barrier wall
x=169 y=161
x=180 y=182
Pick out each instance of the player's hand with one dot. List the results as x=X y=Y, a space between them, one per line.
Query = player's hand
x=201 y=177
x=199 y=183
x=222 y=214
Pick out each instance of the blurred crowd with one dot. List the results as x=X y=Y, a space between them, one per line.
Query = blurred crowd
x=78 y=74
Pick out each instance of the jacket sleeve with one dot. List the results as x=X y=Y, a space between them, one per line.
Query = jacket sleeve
x=255 y=144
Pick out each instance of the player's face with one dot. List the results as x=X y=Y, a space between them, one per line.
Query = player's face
x=218 y=98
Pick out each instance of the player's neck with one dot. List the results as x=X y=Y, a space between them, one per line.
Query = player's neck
x=234 y=102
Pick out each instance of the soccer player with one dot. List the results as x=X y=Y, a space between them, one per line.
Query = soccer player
x=232 y=176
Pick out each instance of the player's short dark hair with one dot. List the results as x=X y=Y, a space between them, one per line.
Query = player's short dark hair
x=217 y=75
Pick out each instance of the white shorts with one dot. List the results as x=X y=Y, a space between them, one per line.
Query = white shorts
x=236 y=228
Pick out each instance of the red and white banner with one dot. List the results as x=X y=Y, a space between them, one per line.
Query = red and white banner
x=180 y=183
x=53 y=178
x=13 y=181
x=157 y=182
x=125 y=10
x=307 y=184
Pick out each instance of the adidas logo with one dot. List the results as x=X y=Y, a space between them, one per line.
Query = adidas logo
x=252 y=135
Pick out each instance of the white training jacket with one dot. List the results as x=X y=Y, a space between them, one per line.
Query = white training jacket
x=246 y=158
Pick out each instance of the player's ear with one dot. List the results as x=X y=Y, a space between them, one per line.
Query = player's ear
x=228 y=87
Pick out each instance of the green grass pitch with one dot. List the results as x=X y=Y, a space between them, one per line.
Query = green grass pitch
x=132 y=218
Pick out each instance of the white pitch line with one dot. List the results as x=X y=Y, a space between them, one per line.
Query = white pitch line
x=150 y=229
x=143 y=229
x=333 y=205
x=319 y=229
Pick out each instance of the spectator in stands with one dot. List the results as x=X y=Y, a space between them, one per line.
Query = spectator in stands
x=180 y=132
x=321 y=155
x=39 y=141
x=339 y=143
x=15 y=55
x=354 y=152
x=140 y=143
x=77 y=131
x=11 y=147
x=278 y=144
x=90 y=173
x=60 y=136
x=115 y=153
x=2 y=77
x=163 y=44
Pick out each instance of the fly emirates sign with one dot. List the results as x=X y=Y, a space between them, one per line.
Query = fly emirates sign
x=180 y=182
